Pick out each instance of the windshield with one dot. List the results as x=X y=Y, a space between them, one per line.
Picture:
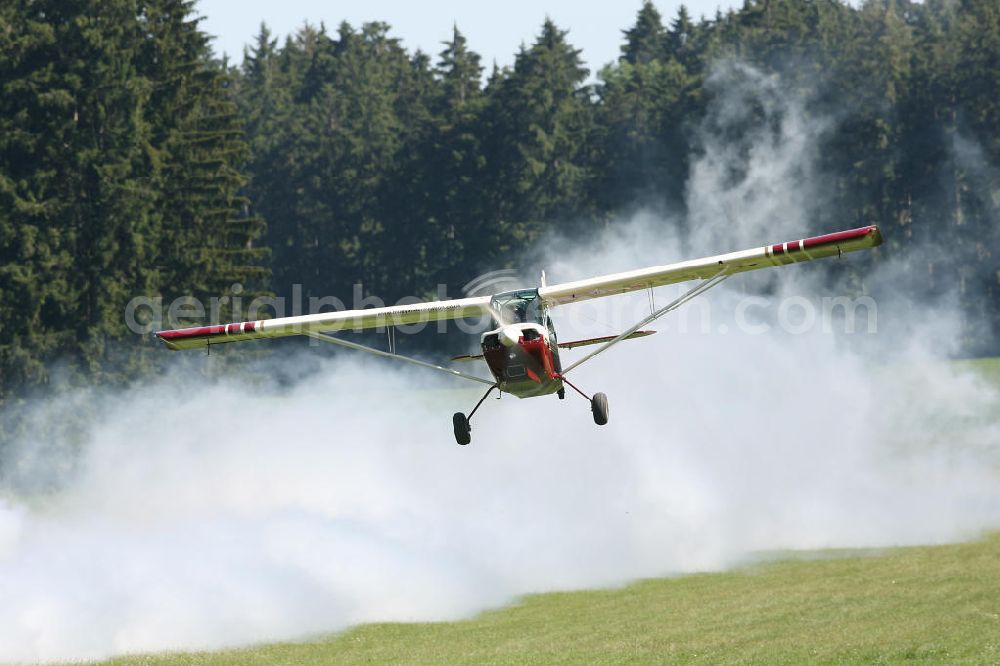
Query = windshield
x=515 y=307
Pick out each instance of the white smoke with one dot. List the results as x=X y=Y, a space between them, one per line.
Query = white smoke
x=207 y=514
x=758 y=172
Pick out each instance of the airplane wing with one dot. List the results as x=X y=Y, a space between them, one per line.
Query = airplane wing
x=326 y=322
x=780 y=254
x=707 y=268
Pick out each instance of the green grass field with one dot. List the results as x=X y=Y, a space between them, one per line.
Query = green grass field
x=988 y=368
x=937 y=604
x=931 y=604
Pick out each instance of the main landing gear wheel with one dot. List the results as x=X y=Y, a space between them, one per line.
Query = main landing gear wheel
x=599 y=406
x=463 y=431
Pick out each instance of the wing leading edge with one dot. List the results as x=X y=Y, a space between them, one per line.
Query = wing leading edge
x=780 y=254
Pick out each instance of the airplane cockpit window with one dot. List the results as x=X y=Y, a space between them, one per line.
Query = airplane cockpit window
x=516 y=307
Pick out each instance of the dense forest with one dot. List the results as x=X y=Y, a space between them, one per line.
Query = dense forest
x=134 y=162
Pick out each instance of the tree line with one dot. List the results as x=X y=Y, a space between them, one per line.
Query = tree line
x=133 y=161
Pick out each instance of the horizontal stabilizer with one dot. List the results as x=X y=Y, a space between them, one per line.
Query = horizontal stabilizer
x=566 y=345
x=597 y=341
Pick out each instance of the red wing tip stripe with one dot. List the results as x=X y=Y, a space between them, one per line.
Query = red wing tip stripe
x=826 y=239
x=840 y=236
x=207 y=331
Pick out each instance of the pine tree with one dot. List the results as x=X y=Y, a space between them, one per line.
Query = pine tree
x=680 y=37
x=340 y=158
x=262 y=99
x=37 y=117
x=642 y=113
x=208 y=246
x=977 y=33
x=457 y=167
x=878 y=85
x=644 y=41
x=975 y=151
x=76 y=200
x=406 y=205
x=644 y=154
x=544 y=124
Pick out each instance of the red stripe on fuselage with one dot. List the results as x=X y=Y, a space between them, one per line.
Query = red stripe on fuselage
x=539 y=349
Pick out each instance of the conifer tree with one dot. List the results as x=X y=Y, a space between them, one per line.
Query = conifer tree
x=680 y=37
x=75 y=203
x=209 y=242
x=644 y=42
x=543 y=131
x=462 y=231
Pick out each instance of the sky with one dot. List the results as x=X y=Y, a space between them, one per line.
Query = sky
x=494 y=30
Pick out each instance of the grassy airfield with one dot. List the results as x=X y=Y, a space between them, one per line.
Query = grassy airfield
x=932 y=604
x=937 y=604
x=988 y=368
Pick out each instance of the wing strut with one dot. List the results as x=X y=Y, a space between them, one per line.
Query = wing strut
x=378 y=352
x=673 y=305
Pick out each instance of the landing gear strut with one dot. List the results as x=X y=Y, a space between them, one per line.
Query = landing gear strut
x=463 y=429
x=598 y=404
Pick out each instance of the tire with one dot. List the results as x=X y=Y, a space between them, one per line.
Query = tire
x=599 y=406
x=463 y=432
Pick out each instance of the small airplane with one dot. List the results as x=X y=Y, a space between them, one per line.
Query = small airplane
x=522 y=352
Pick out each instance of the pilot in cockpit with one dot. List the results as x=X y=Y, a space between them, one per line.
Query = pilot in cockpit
x=519 y=312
